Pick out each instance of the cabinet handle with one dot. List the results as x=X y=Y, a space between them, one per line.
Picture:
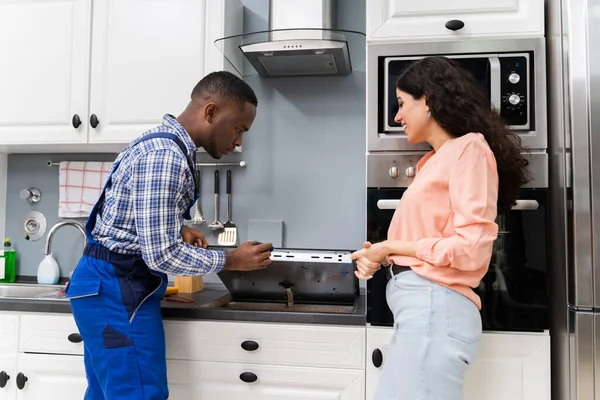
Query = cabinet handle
x=76 y=121
x=249 y=345
x=75 y=338
x=4 y=377
x=94 y=121
x=454 y=25
x=21 y=379
x=248 y=377
x=377 y=358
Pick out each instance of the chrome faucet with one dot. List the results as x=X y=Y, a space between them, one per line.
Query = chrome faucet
x=58 y=225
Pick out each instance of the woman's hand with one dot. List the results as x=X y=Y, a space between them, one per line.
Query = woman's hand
x=369 y=259
x=193 y=237
x=377 y=252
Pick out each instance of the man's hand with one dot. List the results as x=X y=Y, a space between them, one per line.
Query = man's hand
x=193 y=237
x=249 y=257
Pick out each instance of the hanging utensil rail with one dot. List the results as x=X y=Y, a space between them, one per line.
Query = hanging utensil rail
x=213 y=164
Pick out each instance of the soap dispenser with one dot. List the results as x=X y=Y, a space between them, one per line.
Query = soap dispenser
x=48 y=272
x=7 y=263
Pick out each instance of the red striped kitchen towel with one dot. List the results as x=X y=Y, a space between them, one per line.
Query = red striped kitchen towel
x=81 y=184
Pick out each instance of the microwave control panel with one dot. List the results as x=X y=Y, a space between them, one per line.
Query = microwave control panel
x=514 y=89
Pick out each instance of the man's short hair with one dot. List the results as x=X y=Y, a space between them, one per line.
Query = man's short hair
x=227 y=86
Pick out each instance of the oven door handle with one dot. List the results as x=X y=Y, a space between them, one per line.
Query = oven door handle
x=522 y=205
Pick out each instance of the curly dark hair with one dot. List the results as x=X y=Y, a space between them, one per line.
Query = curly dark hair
x=459 y=106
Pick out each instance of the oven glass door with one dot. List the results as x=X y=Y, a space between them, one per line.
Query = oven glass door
x=480 y=67
x=514 y=292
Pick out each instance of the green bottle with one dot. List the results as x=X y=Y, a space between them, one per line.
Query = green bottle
x=7 y=263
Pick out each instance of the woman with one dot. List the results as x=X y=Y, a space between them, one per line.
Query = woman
x=441 y=236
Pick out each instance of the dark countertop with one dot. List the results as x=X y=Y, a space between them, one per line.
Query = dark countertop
x=206 y=307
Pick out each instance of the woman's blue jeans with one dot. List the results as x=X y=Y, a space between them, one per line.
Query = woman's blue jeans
x=436 y=333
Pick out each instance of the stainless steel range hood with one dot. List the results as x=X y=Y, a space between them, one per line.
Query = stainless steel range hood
x=301 y=41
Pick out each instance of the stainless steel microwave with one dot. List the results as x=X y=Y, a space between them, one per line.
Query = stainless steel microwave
x=511 y=72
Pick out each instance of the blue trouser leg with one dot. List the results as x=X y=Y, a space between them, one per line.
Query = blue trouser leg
x=436 y=333
x=125 y=351
x=93 y=391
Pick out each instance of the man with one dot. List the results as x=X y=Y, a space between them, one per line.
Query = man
x=136 y=236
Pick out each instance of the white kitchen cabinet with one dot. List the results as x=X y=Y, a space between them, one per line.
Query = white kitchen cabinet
x=401 y=20
x=523 y=359
x=44 y=70
x=267 y=343
x=8 y=375
x=196 y=380
x=49 y=333
x=146 y=59
x=100 y=73
x=51 y=377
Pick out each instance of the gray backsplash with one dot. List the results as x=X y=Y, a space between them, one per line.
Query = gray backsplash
x=304 y=154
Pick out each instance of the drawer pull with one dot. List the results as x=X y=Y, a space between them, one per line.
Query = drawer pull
x=76 y=121
x=94 y=121
x=454 y=25
x=4 y=377
x=248 y=377
x=377 y=358
x=249 y=345
x=21 y=379
x=75 y=338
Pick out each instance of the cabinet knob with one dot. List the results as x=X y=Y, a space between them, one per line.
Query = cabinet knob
x=249 y=345
x=248 y=377
x=75 y=338
x=377 y=358
x=4 y=377
x=94 y=121
x=76 y=121
x=454 y=25
x=21 y=379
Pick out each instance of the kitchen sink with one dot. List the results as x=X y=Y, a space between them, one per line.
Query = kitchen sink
x=31 y=291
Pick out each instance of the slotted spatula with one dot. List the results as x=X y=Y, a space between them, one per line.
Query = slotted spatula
x=229 y=235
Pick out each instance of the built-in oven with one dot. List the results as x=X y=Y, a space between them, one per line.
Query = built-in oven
x=512 y=73
x=514 y=291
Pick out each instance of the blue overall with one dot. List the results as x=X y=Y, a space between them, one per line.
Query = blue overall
x=115 y=299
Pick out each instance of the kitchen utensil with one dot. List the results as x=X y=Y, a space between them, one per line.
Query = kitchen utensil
x=198 y=218
x=179 y=299
x=216 y=225
x=171 y=290
x=229 y=236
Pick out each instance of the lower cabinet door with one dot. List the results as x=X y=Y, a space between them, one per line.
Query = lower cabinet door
x=50 y=377
x=200 y=380
x=509 y=366
x=8 y=375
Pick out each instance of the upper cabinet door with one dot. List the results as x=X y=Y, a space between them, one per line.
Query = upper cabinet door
x=44 y=66
x=147 y=57
x=428 y=19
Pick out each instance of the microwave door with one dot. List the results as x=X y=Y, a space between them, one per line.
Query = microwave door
x=485 y=69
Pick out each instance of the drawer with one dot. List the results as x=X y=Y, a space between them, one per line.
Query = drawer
x=9 y=331
x=281 y=344
x=199 y=380
x=53 y=334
